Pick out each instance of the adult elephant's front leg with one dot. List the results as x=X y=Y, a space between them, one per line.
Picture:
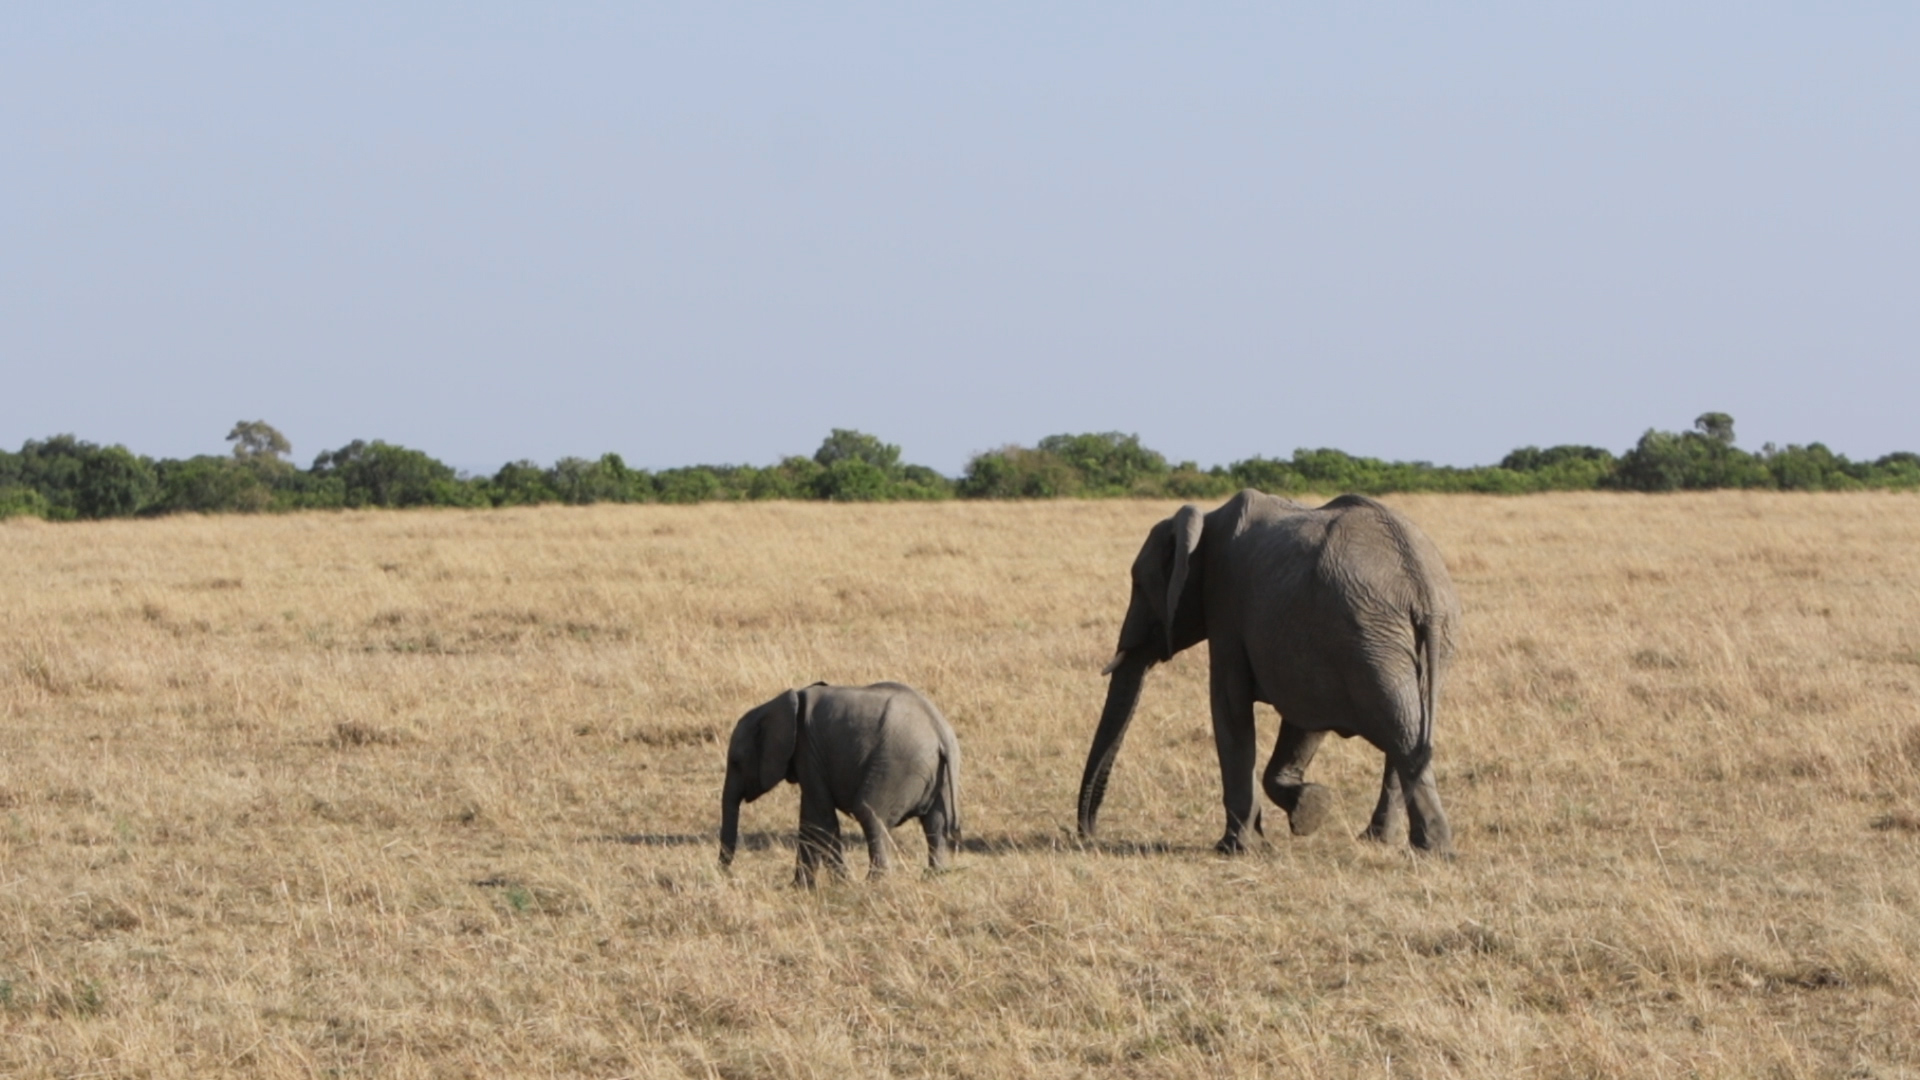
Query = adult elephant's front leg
x=1233 y=734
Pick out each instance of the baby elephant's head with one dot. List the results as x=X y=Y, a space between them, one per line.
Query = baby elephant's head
x=759 y=757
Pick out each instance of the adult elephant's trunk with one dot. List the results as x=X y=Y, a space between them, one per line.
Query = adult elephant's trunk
x=1123 y=693
x=729 y=819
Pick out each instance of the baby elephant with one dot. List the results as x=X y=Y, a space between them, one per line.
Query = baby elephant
x=882 y=753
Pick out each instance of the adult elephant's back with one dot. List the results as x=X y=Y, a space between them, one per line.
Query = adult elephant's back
x=1388 y=560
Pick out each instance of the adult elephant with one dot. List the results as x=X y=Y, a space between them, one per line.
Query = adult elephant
x=1341 y=618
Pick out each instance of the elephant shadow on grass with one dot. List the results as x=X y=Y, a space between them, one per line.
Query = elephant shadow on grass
x=1061 y=841
x=753 y=841
x=1064 y=841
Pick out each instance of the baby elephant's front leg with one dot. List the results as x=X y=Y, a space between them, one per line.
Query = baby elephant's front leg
x=819 y=840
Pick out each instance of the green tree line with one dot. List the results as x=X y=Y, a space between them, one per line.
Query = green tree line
x=65 y=478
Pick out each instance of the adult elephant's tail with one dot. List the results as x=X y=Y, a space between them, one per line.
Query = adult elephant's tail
x=1427 y=673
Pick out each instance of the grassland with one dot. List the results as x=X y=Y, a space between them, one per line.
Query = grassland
x=434 y=794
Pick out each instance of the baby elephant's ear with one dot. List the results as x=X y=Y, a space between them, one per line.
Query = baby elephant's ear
x=779 y=729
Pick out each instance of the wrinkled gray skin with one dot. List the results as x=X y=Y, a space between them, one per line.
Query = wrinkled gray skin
x=881 y=753
x=1342 y=618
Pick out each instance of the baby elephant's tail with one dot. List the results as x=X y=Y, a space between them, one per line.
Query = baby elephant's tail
x=950 y=791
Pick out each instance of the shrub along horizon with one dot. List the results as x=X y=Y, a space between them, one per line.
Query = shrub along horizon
x=64 y=478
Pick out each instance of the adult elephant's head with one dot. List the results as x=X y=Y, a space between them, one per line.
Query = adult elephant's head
x=759 y=757
x=1164 y=616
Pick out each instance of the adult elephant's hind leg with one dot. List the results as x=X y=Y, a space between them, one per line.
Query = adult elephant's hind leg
x=1390 y=812
x=1389 y=700
x=1285 y=781
x=1427 y=826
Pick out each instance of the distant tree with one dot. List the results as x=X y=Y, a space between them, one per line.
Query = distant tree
x=1271 y=475
x=1698 y=460
x=852 y=479
x=1534 y=459
x=52 y=468
x=1717 y=426
x=844 y=445
x=698 y=483
x=1900 y=469
x=78 y=479
x=921 y=483
x=1557 y=468
x=794 y=478
x=255 y=440
x=207 y=484
x=580 y=482
x=1188 y=481
x=1812 y=468
x=381 y=474
x=1015 y=472
x=255 y=478
x=1109 y=462
x=520 y=483
x=1330 y=470
x=852 y=466
x=19 y=501
x=113 y=483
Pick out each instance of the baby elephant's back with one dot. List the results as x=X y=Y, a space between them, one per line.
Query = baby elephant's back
x=880 y=745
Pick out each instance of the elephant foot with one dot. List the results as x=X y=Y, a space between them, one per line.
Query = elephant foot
x=1383 y=834
x=1310 y=810
x=1230 y=844
x=1435 y=843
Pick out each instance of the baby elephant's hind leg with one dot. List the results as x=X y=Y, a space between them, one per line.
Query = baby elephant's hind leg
x=934 y=823
x=879 y=841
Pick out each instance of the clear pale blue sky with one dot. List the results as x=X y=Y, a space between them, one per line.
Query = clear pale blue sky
x=711 y=232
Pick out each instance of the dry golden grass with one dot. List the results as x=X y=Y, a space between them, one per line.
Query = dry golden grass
x=434 y=793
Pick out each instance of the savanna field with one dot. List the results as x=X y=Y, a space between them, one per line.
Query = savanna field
x=436 y=793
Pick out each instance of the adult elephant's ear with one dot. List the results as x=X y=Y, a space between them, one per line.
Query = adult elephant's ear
x=779 y=731
x=1187 y=526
